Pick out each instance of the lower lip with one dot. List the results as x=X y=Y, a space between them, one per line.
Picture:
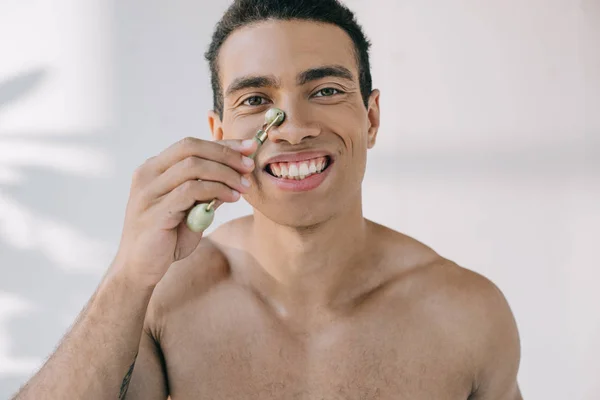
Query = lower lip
x=310 y=183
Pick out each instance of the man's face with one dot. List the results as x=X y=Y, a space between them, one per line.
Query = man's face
x=309 y=70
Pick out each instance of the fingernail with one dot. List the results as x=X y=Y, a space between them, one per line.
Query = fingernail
x=245 y=182
x=248 y=162
x=247 y=143
x=236 y=194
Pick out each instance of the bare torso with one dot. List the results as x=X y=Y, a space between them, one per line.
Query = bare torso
x=400 y=329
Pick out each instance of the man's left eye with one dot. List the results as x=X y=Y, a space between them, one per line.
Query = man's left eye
x=327 y=92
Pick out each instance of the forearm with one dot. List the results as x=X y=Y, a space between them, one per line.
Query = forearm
x=95 y=357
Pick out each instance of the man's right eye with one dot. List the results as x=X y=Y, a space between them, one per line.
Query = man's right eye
x=254 y=101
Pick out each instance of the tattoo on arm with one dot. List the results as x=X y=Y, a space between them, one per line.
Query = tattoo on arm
x=126 y=380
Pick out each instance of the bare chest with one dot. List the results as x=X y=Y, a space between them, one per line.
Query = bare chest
x=245 y=353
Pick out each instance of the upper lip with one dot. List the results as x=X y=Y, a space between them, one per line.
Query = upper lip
x=297 y=156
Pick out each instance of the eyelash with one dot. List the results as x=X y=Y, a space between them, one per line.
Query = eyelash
x=337 y=92
x=253 y=97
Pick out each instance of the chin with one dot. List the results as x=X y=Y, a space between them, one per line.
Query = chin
x=306 y=210
x=300 y=218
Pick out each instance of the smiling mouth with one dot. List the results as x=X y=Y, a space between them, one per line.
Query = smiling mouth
x=299 y=170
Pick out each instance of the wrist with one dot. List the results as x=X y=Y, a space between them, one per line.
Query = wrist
x=122 y=272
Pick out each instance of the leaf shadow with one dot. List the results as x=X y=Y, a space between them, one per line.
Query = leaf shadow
x=55 y=294
x=21 y=85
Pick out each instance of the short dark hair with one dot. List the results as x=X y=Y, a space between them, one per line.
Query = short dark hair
x=245 y=12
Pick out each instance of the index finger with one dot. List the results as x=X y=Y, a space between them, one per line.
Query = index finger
x=228 y=152
x=246 y=147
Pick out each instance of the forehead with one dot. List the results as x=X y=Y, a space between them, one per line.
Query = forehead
x=284 y=48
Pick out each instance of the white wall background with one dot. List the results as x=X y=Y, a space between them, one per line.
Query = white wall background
x=490 y=119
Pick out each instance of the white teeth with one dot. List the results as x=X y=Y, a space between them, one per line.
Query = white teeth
x=276 y=169
x=303 y=170
x=320 y=164
x=298 y=170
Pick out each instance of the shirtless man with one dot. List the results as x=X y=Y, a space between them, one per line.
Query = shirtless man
x=306 y=299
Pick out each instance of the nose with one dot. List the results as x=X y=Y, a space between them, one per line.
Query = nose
x=296 y=127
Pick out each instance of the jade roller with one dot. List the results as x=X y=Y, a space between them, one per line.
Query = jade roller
x=202 y=215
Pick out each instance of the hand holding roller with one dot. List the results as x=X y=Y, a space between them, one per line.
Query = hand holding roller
x=202 y=215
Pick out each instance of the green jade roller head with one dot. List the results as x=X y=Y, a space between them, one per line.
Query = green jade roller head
x=202 y=215
x=273 y=117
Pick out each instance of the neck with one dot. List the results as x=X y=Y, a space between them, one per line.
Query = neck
x=308 y=264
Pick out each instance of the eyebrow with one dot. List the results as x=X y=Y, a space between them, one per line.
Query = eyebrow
x=312 y=74
x=248 y=82
x=326 y=71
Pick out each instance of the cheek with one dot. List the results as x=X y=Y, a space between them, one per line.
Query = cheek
x=355 y=137
x=240 y=129
x=349 y=123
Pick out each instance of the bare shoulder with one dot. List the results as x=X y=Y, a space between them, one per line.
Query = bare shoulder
x=462 y=290
x=185 y=283
x=444 y=286
x=472 y=298
x=473 y=313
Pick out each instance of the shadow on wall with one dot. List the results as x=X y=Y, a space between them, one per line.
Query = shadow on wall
x=19 y=86
x=41 y=254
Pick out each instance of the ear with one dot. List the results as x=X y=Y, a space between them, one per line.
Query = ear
x=216 y=125
x=373 y=115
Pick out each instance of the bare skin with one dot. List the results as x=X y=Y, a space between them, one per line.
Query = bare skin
x=306 y=299
x=407 y=324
